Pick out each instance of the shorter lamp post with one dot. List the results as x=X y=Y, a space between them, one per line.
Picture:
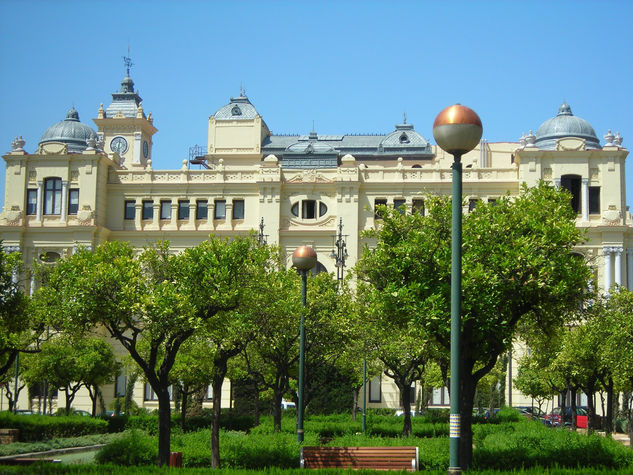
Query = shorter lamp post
x=457 y=130
x=303 y=259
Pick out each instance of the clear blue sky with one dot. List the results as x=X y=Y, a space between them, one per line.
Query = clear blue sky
x=351 y=67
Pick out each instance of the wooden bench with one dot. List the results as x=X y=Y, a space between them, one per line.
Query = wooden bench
x=376 y=458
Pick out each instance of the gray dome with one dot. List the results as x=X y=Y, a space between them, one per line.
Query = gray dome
x=565 y=124
x=69 y=131
x=404 y=137
x=240 y=108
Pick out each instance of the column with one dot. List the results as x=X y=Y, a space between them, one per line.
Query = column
x=618 y=265
x=584 y=199
x=136 y=158
x=607 y=269
x=39 y=205
x=629 y=268
x=32 y=289
x=64 y=213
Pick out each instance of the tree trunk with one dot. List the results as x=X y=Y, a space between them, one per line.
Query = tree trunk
x=608 y=420
x=573 y=411
x=256 y=404
x=183 y=406
x=216 y=384
x=277 y=397
x=354 y=403
x=467 y=395
x=405 y=396
x=591 y=416
x=164 y=425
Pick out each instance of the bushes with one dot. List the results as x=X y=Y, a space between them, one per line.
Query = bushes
x=35 y=427
x=132 y=448
x=149 y=422
x=61 y=443
x=530 y=444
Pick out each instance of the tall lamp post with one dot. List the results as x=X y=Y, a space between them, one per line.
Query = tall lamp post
x=457 y=130
x=303 y=259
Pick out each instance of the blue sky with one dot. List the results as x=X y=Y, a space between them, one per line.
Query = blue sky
x=351 y=67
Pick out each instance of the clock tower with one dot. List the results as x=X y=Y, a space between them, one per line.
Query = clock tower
x=123 y=125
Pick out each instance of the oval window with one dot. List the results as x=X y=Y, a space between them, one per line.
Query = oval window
x=295 y=210
x=322 y=208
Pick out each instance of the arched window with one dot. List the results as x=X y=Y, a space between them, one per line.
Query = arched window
x=53 y=196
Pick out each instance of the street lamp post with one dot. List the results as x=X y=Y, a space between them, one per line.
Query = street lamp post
x=457 y=130
x=303 y=259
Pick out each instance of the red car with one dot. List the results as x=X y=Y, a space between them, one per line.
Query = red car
x=554 y=418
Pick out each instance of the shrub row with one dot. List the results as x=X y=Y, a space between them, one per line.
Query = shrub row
x=60 y=443
x=149 y=422
x=531 y=444
x=37 y=427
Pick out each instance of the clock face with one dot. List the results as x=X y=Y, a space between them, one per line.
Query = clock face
x=145 y=149
x=118 y=145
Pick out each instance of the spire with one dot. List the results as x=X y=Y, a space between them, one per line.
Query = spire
x=127 y=61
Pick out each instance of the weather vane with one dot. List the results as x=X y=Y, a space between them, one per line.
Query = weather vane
x=128 y=61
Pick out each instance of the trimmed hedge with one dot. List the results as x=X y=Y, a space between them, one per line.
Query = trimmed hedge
x=132 y=448
x=149 y=422
x=61 y=443
x=37 y=427
x=531 y=444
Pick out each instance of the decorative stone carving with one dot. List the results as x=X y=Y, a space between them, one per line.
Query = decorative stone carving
x=17 y=145
x=54 y=148
x=522 y=140
x=612 y=217
x=530 y=140
x=608 y=139
x=617 y=140
x=32 y=176
x=571 y=144
x=85 y=215
x=547 y=173
x=91 y=144
x=594 y=173
x=74 y=176
x=13 y=216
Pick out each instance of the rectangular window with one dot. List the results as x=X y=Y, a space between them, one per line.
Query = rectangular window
x=378 y=202
x=150 y=395
x=472 y=204
x=594 y=200
x=418 y=206
x=73 y=201
x=219 y=211
x=165 y=209
x=308 y=209
x=238 y=209
x=398 y=204
x=31 y=201
x=130 y=209
x=148 y=210
x=53 y=196
x=439 y=397
x=492 y=201
x=183 y=209
x=119 y=385
x=202 y=209
x=209 y=395
x=374 y=389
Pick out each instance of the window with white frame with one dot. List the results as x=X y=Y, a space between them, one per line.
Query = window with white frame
x=53 y=196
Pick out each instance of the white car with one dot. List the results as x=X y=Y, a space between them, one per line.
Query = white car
x=400 y=413
x=287 y=404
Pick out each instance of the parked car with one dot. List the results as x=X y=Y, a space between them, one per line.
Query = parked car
x=287 y=404
x=555 y=418
x=400 y=413
x=530 y=412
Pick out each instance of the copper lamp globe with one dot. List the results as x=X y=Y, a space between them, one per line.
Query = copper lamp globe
x=304 y=258
x=457 y=129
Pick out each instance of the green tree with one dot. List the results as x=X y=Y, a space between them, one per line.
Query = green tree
x=533 y=381
x=68 y=363
x=518 y=271
x=20 y=329
x=151 y=302
x=619 y=344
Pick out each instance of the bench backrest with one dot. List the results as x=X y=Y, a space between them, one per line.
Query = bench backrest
x=378 y=458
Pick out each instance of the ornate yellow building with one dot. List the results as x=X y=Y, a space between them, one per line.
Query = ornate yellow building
x=81 y=186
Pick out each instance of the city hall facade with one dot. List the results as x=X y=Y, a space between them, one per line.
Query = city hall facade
x=82 y=185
